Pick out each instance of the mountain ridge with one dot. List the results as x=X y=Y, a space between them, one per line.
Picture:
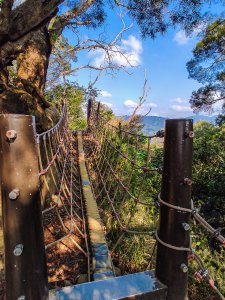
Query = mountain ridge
x=154 y=123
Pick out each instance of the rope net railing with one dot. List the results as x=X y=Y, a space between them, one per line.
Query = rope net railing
x=125 y=175
x=63 y=208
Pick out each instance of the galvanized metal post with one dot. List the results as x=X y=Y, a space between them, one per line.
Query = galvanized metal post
x=25 y=265
x=172 y=265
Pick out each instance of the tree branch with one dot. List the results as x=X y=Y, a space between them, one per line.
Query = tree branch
x=215 y=26
x=60 y=61
x=80 y=23
x=142 y=99
x=118 y=3
x=60 y=22
x=25 y=18
x=5 y=11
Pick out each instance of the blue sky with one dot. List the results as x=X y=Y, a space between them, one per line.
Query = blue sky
x=164 y=60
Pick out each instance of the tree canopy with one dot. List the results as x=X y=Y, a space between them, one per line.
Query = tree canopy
x=30 y=30
x=74 y=96
x=18 y=18
x=208 y=67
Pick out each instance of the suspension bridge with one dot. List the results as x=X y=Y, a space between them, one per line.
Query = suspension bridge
x=76 y=206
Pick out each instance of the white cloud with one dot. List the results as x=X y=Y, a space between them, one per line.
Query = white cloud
x=181 y=38
x=155 y=115
x=152 y=104
x=130 y=104
x=181 y=108
x=133 y=43
x=110 y=105
x=105 y=94
x=217 y=106
x=127 y=53
x=200 y=28
x=179 y=100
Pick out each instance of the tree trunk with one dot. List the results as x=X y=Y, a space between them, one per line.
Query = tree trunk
x=24 y=94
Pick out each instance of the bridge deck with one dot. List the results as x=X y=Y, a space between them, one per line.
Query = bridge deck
x=105 y=286
x=101 y=262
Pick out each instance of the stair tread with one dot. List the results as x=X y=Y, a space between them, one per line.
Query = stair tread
x=135 y=286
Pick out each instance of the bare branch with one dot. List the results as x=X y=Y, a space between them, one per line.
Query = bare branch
x=133 y=123
x=142 y=99
x=109 y=50
x=97 y=78
x=90 y=91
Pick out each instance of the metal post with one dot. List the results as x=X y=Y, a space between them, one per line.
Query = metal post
x=172 y=265
x=89 y=108
x=97 y=120
x=25 y=264
x=98 y=112
x=2 y=275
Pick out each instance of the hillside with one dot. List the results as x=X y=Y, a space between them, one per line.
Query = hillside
x=155 y=123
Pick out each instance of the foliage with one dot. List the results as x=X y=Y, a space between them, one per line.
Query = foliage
x=62 y=57
x=221 y=118
x=23 y=37
x=207 y=67
x=149 y=15
x=73 y=94
x=134 y=252
x=208 y=194
x=209 y=172
x=186 y=13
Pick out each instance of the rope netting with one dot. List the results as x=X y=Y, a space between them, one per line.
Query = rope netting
x=125 y=177
x=122 y=176
x=62 y=200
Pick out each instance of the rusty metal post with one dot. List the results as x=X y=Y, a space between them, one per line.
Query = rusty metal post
x=172 y=265
x=25 y=264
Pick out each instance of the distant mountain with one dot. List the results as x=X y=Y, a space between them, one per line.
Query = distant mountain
x=197 y=118
x=153 y=123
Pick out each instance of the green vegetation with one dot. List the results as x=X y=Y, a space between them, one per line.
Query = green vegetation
x=208 y=194
x=134 y=251
x=207 y=67
x=73 y=95
x=209 y=172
